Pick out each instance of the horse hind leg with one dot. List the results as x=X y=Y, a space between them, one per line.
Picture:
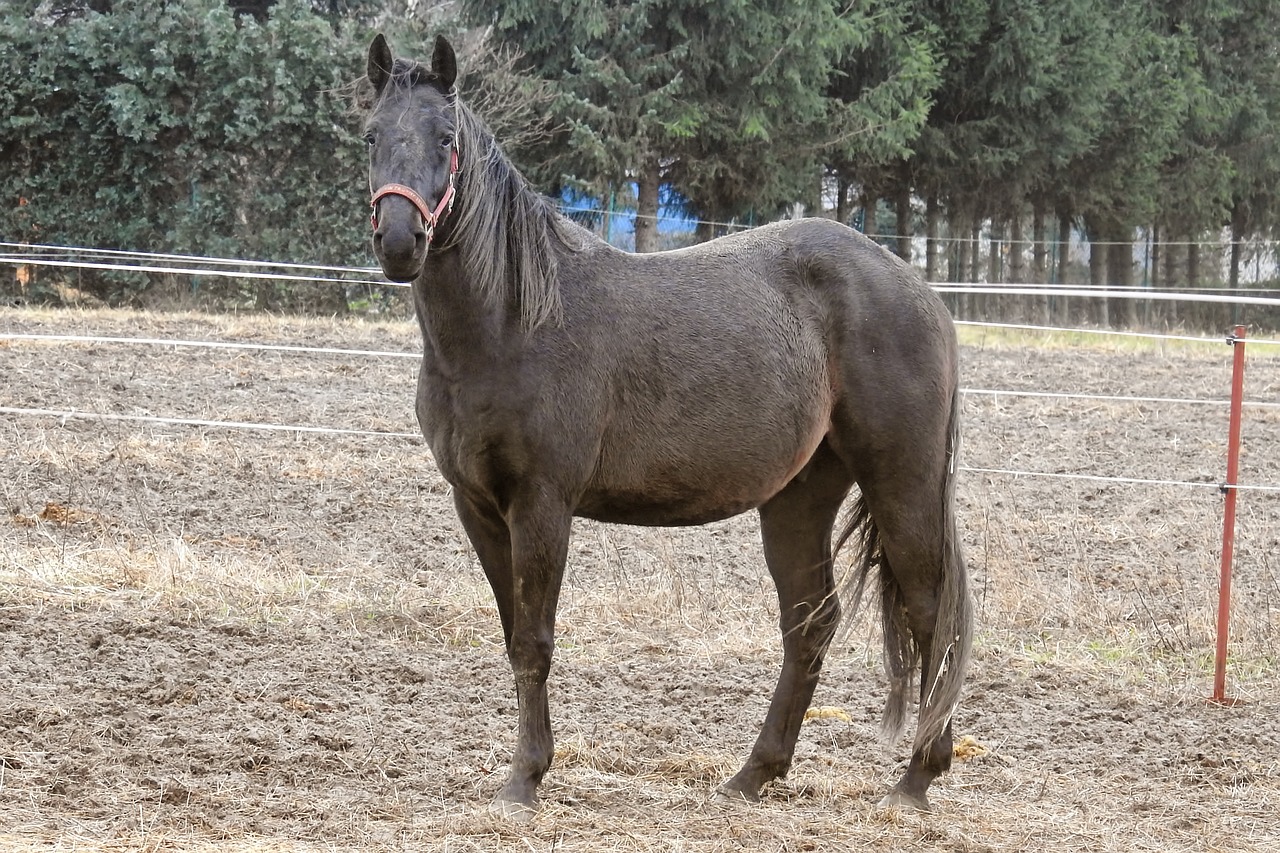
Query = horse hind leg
x=796 y=526
x=926 y=615
x=909 y=627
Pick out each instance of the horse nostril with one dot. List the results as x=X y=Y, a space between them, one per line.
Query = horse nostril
x=419 y=242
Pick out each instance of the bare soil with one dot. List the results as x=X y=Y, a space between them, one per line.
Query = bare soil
x=220 y=638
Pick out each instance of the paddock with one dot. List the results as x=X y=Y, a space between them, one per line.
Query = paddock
x=220 y=637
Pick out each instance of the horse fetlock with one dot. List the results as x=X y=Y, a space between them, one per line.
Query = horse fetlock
x=911 y=790
x=523 y=779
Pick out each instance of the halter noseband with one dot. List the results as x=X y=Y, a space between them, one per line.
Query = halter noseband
x=430 y=218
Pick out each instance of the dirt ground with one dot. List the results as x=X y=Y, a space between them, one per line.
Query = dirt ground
x=225 y=639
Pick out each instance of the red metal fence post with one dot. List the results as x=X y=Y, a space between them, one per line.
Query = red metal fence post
x=1229 y=519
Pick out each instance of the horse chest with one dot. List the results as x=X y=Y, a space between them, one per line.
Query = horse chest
x=477 y=438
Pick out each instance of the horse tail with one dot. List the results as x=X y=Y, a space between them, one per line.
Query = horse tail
x=953 y=625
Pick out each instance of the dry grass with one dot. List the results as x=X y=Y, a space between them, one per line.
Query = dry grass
x=1103 y=342
x=1086 y=722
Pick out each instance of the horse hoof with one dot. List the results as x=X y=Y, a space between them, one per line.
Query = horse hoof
x=521 y=813
x=896 y=799
x=723 y=796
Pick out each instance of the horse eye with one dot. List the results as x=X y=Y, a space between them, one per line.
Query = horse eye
x=447 y=142
x=369 y=138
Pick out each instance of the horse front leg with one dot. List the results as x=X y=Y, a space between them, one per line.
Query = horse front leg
x=539 y=537
x=489 y=535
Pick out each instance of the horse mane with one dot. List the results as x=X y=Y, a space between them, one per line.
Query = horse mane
x=509 y=235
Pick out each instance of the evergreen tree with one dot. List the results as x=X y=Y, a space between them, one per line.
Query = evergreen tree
x=881 y=94
x=1115 y=186
x=181 y=127
x=725 y=100
x=1023 y=89
x=1226 y=167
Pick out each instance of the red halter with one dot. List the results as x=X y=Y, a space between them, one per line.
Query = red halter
x=430 y=218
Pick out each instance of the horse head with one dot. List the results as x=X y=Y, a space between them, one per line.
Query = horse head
x=413 y=154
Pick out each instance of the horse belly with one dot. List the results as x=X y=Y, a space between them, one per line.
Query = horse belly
x=730 y=473
x=717 y=399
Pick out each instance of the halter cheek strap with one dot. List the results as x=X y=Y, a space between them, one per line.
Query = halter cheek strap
x=430 y=218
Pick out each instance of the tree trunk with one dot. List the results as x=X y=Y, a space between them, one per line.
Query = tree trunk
x=1098 y=271
x=1174 y=266
x=932 y=215
x=1238 y=226
x=975 y=249
x=1064 y=266
x=977 y=301
x=1039 y=263
x=606 y=217
x=1120 y=272
x=1017 y=267
x=1154 y=260
x=842 y=200
x=999 y=249
x=869 y=204
x=993 y=305
x=1153 y=312
x=1017 y=239
x=1063 y=271
x=647 y=205
x=1195 y=311
x=960 y=265
x=902 y=205
x=1193 y=263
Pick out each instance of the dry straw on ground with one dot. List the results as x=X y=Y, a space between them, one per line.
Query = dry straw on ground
x=221 y=640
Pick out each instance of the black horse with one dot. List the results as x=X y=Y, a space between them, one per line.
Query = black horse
x=771 y=370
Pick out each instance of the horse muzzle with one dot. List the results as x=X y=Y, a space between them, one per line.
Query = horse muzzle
x=401 y=234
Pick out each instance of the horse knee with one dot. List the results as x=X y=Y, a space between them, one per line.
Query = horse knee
x=530 y=658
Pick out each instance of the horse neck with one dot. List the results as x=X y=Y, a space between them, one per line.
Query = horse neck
x=459 y=324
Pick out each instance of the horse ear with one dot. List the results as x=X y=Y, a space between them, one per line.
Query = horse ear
x=444 y=64
x=380 y=63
